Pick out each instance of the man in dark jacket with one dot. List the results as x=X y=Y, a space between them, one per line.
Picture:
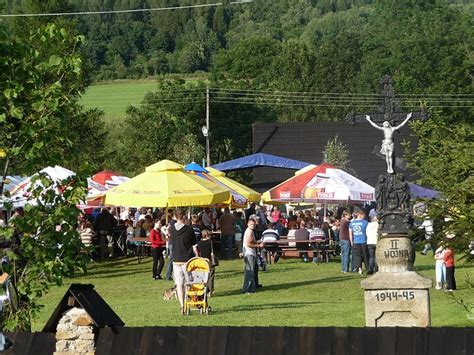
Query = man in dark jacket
x=184 y=247
x=104 y=225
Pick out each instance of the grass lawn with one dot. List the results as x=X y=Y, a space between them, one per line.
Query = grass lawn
x=294 y=294
x=114 y=98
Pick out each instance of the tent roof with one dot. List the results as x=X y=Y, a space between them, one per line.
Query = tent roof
x=418 y=191
x=259 y=160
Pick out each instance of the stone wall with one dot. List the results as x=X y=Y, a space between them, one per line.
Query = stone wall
x=75 y=333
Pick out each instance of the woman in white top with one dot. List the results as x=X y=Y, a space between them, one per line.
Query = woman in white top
x=372 y=238
x=440 y=267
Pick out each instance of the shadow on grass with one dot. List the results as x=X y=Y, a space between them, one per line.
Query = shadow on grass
x=289 y=285
x=239 y=273
x=269 y=306
x=432 y=267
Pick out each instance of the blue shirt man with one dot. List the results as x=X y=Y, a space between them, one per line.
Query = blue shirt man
x=358 y=238
x=358 y=228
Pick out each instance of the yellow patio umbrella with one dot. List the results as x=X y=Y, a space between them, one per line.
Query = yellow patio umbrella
x=247 y=192
x=166 y=184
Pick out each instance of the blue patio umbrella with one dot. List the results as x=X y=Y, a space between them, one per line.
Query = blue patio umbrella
x=418 y=191
x=193 y=166
x=236 y=199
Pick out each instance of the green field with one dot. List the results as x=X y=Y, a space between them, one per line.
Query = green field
x=114 y=98
x=294 y=294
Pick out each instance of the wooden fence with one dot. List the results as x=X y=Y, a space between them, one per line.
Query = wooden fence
x=264 y=340
x=286 y=340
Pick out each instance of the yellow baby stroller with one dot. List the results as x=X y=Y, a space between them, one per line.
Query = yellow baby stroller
x=195 y=288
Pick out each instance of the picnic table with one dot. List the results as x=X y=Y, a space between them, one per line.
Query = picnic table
x=289 y=247
x=143 y=244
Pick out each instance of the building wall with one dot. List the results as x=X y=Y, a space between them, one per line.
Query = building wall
x=306 y=142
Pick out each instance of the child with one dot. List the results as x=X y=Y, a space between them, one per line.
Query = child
x=205 y=250
x=440 y=268
x=448 y=258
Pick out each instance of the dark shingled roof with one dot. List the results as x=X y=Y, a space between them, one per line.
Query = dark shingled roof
x=87 y=298
x=306 y=142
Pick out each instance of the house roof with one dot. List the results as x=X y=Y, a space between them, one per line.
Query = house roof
x=86 y=297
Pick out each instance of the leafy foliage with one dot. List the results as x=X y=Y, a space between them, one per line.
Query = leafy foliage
x=444 y=159
x=40 y=80
x=336 y=153
x=42 y=124
x=49 y=245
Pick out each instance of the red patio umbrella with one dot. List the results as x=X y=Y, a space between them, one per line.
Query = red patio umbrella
x=104 y=175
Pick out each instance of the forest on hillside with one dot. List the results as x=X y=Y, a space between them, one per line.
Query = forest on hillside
x=264 y=61
x=142 y=44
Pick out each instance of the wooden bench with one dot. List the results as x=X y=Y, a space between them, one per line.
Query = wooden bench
x=288 y=247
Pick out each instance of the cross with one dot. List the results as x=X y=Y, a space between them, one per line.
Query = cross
x=390 y=109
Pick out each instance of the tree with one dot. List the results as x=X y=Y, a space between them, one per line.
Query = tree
x=248 y=61
x=40 y=80
x=43 y=246
x=424 y=45
x=36 y=91
x=336 y=153
x=293 y=70
x=444 y=160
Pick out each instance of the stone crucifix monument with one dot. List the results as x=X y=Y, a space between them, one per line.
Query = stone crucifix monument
x=395 y=295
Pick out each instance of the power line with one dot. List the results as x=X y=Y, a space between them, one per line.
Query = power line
x=337 y=93
x=297 y=99
x=126 y=11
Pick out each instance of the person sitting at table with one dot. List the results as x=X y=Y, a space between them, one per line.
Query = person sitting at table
x=292 y=220
x=302 y=234
x=139 y=230
x=316 y=235
x=270 y=236
x=130 y=234
x=148 y=224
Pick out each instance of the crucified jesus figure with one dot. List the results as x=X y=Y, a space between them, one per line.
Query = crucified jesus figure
x=387 y=142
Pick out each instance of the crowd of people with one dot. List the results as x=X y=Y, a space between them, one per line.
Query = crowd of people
x=250 y=234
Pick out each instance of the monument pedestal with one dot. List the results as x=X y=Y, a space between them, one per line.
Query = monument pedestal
x=396 y=295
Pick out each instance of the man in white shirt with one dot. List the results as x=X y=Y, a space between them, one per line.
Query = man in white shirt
x=250 y=258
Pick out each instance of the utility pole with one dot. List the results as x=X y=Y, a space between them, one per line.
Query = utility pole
x=208 y=153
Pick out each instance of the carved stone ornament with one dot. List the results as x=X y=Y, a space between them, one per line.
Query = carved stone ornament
x=393 y=204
